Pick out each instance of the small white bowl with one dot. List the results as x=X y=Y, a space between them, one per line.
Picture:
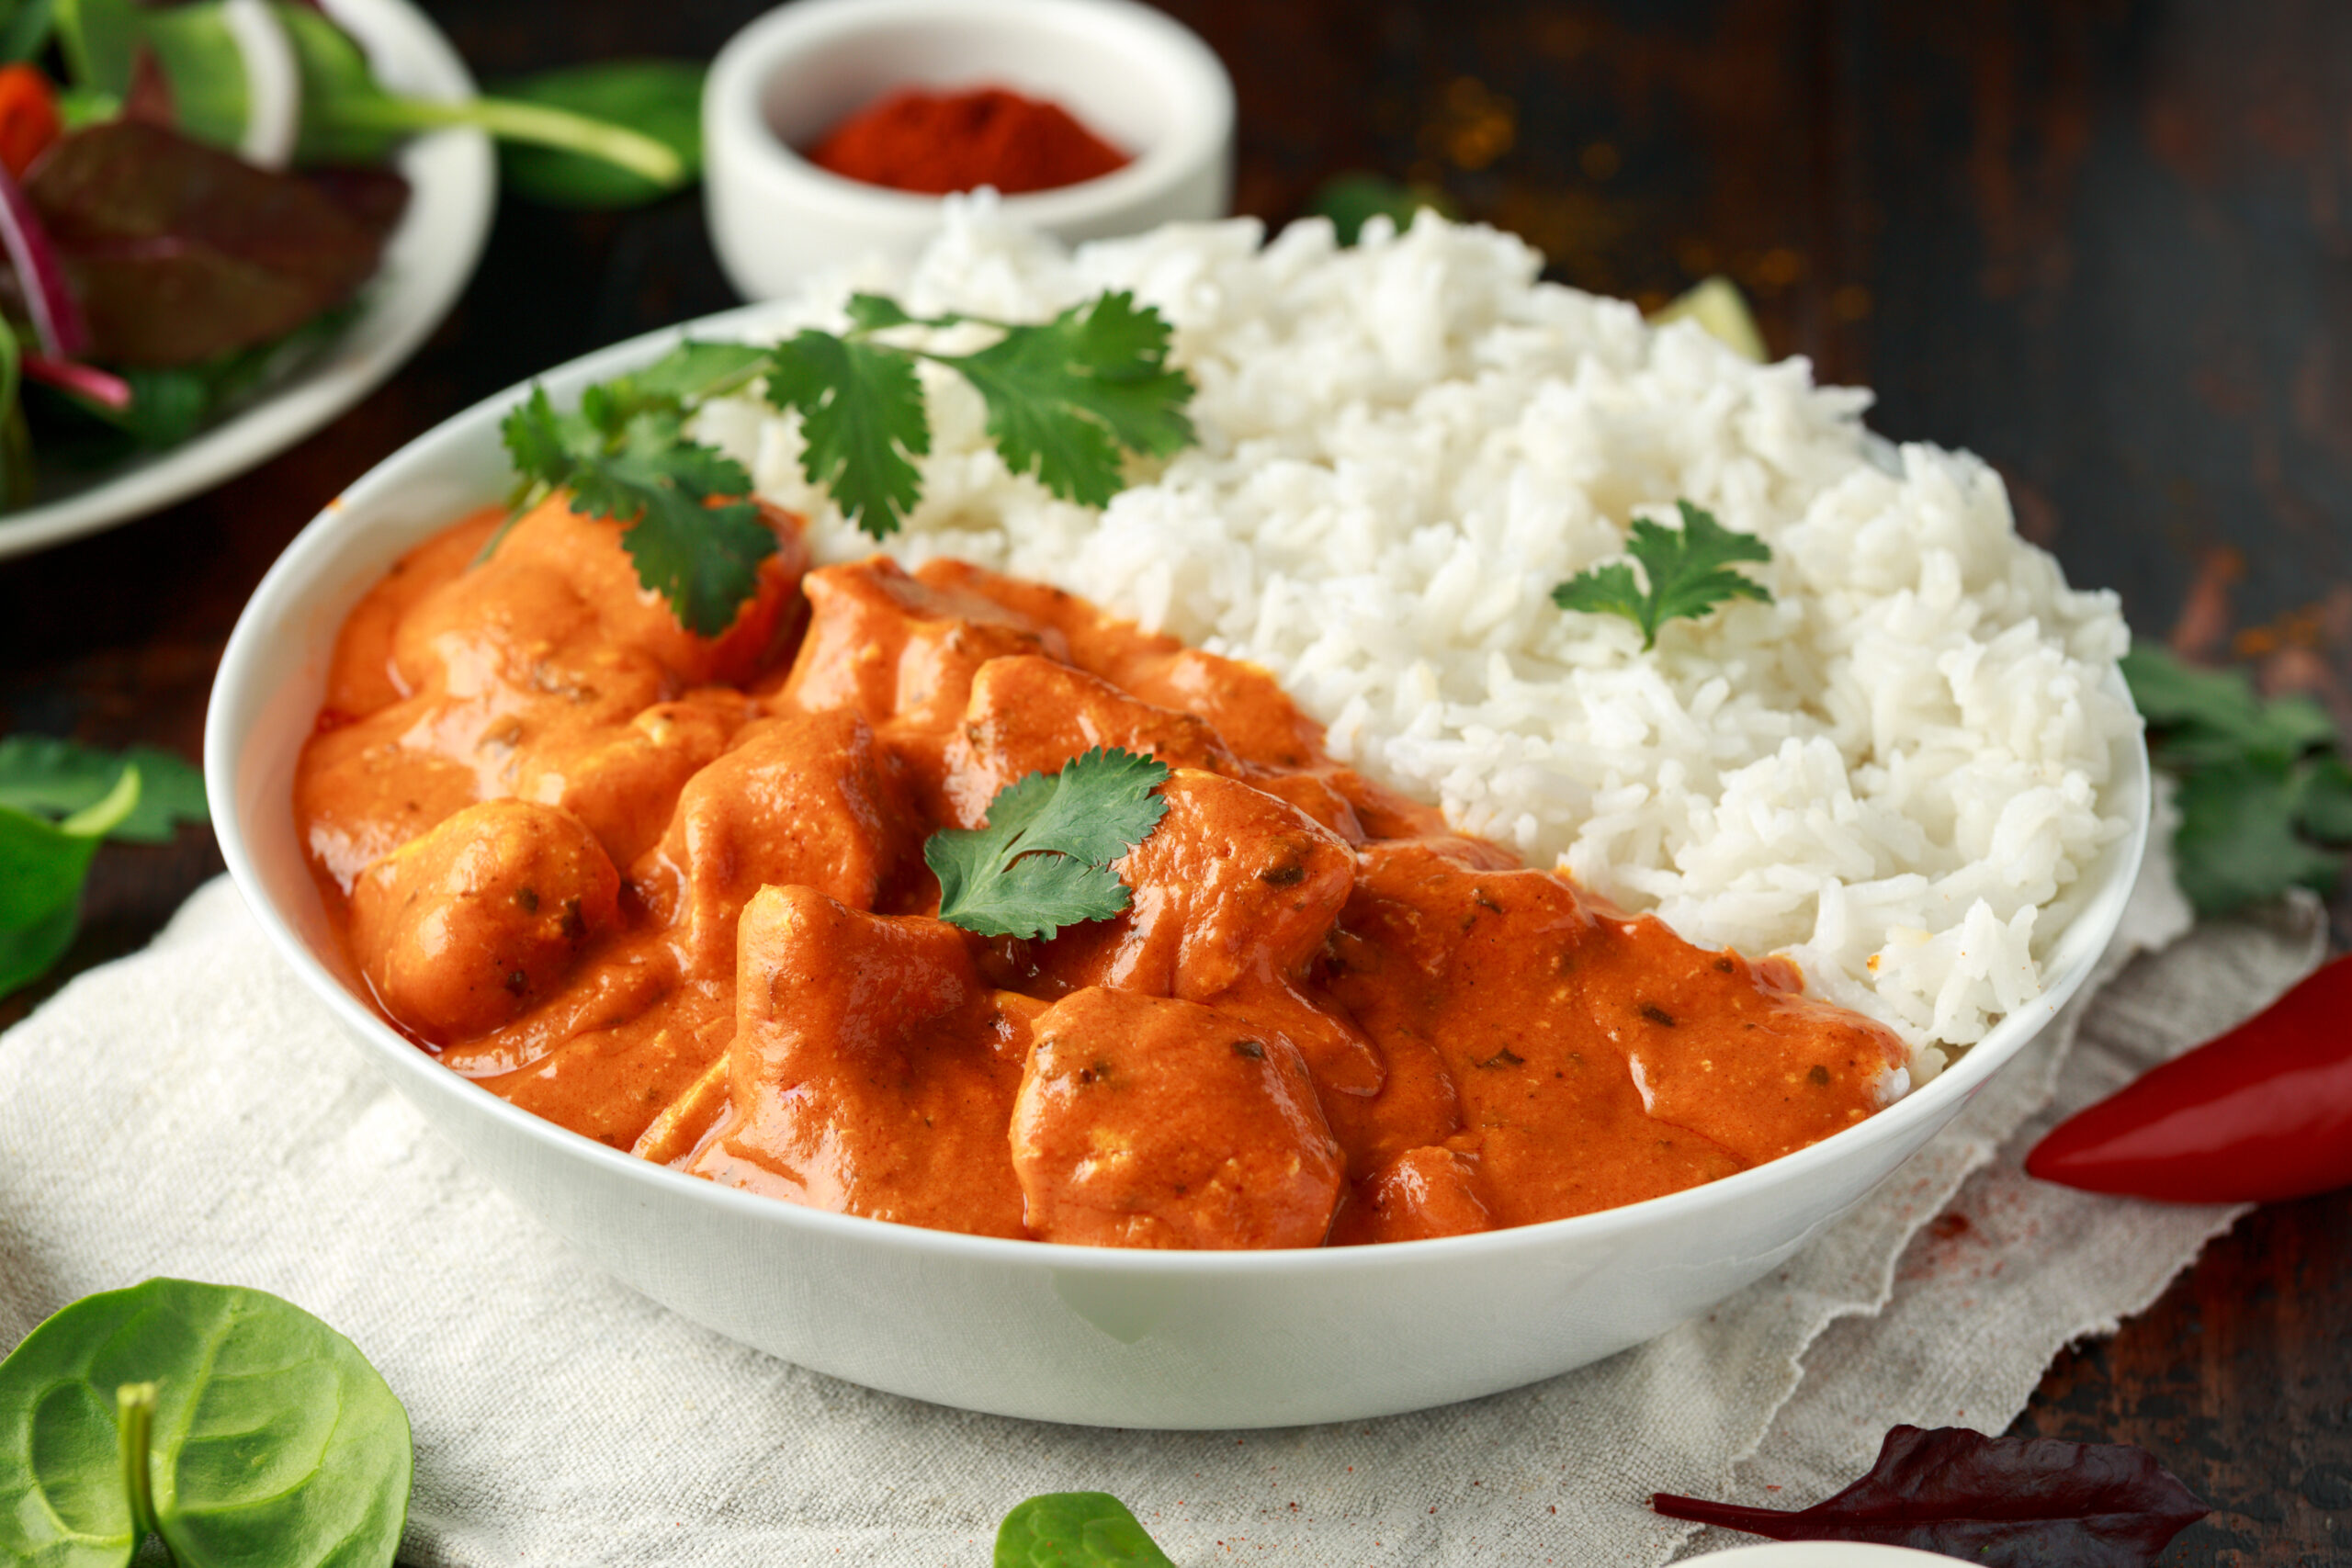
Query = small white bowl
x=1131 y=74
x=1101 y=1336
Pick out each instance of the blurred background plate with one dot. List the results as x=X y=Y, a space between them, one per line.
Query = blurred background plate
x=453 y=186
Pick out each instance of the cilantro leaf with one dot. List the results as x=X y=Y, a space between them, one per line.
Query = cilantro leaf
x=1610 y=590
x=693 y=371
x=2215 y=714
x=624 y=455
x=1687 y=569
x=1043 y=860
x=536 y=443
x=46 y=776
x=1064 y=397
x=2262 y=786
x=871 y=312
x=2237 y=844
x=862 y=424
x=2323 y=807
x=705 y=560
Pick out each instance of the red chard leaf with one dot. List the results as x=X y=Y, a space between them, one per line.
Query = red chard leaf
x=375 y=198
x=181 y=253
x=149 y=101
x=2006 y=1501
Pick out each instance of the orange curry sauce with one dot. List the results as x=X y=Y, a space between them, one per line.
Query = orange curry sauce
x=669 y=893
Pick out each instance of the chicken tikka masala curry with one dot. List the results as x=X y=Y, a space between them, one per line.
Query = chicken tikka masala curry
x=670 y=892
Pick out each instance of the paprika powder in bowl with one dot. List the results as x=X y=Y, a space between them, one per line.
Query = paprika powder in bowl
x=788 y=95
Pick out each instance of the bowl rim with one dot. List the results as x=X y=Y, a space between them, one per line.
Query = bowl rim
x=250 y=670
x=734 y=117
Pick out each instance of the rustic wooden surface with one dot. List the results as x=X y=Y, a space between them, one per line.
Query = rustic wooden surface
x=2105 y=244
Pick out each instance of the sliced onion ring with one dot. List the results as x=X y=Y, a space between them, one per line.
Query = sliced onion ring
x=57 y=315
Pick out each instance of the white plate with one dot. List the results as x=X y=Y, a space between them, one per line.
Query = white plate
x=453 y=186
x=1822 y=1554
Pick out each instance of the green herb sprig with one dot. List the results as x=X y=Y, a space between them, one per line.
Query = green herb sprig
x=1687 y=572
x=1043 y=860
x=1066 y=400
x=2266 y=798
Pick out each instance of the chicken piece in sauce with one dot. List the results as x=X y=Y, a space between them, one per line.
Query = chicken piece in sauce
x=1323 y=1018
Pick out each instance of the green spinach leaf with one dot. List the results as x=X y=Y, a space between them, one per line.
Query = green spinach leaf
x=41 y=867
x=270 y=1441
x=25 y=26
x=1075 y=1529
x=660 y=99
x=42 y=775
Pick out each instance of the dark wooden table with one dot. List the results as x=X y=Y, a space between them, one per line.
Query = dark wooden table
x=2107 y=245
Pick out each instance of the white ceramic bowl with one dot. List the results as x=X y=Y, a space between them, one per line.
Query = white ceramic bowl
x=1109 y=1337
x=1129 y=72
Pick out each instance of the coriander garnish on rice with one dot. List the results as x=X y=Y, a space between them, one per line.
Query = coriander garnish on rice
x=1689 y=573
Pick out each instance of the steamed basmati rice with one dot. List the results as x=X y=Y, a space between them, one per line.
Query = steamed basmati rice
x=1892 y=772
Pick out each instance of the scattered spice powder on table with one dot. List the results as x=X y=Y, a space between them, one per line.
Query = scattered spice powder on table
x=936 y=142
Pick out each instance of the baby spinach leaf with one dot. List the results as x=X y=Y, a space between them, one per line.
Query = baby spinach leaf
x=98 y=38
x=42 y=864
x=271 y=1442
x=1075 y=1529
x=660 y=99
x=203 y=72
x=40 y=773
x=2006 y=1501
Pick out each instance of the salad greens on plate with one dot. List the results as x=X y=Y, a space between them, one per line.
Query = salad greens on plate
x=193 y=197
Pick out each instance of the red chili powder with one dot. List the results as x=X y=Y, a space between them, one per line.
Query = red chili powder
x=937 y=142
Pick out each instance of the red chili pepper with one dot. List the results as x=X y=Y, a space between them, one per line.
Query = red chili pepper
x=28 y=116
x=2260 y=1114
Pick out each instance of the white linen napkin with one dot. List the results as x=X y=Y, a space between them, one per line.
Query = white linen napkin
x=192 y=1111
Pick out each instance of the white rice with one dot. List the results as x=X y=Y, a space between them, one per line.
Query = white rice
x=1892 y=772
